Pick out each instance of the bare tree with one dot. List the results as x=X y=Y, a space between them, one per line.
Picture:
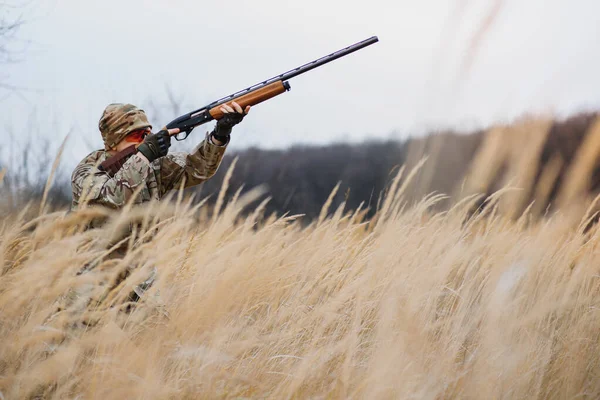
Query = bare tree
x=11 y=19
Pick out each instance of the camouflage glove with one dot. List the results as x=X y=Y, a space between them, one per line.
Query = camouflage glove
x=225 y=125
x=155 y=145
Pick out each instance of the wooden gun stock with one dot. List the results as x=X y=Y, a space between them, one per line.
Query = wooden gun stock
x=254 y=97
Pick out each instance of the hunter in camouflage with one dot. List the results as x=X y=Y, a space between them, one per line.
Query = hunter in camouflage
x=147 y=171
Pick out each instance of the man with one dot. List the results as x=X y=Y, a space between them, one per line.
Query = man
x=136 y=161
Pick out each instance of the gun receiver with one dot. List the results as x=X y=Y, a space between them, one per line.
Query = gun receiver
x=258 y=93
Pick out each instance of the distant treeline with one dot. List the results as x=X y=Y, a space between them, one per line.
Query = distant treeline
x=300 y=179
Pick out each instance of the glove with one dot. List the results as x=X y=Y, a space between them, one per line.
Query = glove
x=155 y=145
x=225 y=124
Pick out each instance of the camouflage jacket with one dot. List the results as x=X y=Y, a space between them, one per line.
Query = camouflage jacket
x=149 y=181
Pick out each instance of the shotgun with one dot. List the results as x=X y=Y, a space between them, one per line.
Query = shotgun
x=258 y=93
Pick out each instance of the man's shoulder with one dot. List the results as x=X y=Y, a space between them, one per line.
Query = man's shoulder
x=94 y=156
x=92 y=159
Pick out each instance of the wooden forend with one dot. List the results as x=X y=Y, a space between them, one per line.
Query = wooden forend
x=252 y=98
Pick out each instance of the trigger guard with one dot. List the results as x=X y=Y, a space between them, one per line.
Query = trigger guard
x=187 y=133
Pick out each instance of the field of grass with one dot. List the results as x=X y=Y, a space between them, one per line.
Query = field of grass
x=415 y=303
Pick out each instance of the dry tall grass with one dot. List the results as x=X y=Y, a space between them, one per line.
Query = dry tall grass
x=413 y=304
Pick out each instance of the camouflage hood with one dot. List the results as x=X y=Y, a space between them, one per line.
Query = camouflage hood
x=118 y=120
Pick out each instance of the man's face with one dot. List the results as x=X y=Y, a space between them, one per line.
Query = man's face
x=135 y=138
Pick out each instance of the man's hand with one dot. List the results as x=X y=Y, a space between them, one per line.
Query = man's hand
x=157 y=145
x=232 y=116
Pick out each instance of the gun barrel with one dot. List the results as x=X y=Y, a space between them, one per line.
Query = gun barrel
x=297 y=71
x=326 y=59
x=260 y=92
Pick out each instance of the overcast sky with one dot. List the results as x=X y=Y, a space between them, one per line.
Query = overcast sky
x=439 y=64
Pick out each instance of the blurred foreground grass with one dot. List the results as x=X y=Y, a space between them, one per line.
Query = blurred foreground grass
x=414 y=303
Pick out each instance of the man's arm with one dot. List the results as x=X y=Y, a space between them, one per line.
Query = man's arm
x=193 y=168
x=203 y=162
x=93 y=186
